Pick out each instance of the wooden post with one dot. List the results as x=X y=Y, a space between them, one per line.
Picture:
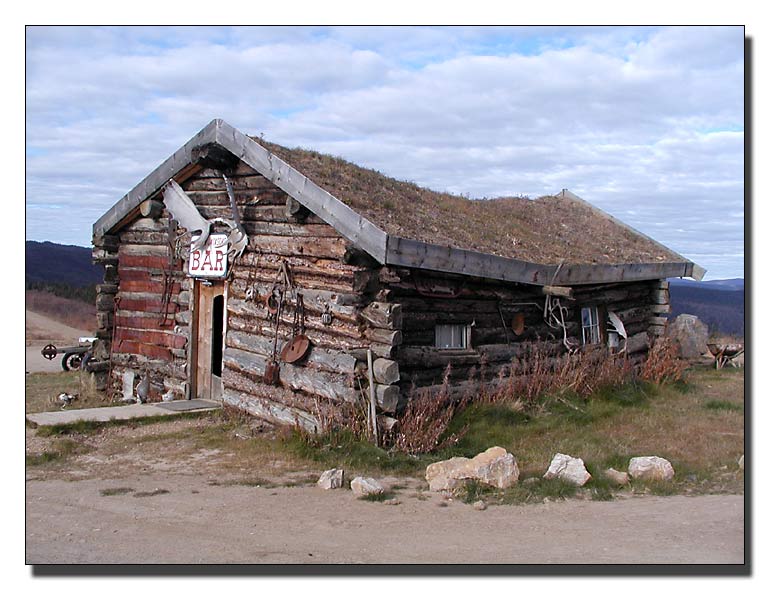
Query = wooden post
x=372 y=398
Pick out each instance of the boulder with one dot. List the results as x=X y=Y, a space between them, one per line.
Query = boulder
x=331 y=479
x=690 y=334
x=567 y=468
x=495 y=467
x=650 y=468
x=366 y=486
x=619 y=478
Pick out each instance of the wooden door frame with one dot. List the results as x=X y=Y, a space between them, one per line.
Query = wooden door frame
x=195 y=332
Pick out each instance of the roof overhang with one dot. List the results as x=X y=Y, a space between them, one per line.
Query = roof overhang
x=361 y=232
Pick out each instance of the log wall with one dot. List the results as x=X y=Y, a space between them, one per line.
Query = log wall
x=427 y=299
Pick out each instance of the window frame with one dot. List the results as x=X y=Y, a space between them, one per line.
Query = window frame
x=594 y=325
x=465 y=335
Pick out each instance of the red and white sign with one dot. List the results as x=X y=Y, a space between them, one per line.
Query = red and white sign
x=211 y=260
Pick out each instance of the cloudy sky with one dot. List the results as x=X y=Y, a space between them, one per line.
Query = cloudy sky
x=645 y=122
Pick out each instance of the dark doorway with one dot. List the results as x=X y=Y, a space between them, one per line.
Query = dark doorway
x=217 y=337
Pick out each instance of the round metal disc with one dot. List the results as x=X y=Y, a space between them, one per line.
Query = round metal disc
x=296 y=349
x=518 y=324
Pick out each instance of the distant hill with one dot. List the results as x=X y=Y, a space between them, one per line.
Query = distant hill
x=49 y=263
x=719 y=304
x=719 y=284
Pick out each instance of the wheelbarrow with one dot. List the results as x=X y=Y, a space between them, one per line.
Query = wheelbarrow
x=72 y=357
x=724 y=353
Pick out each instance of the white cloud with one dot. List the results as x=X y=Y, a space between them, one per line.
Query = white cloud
x=646 y=123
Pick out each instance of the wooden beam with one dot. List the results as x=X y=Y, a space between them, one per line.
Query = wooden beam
x=558 y=291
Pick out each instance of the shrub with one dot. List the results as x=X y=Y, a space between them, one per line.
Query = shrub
x=662 y=364
x=425 y=419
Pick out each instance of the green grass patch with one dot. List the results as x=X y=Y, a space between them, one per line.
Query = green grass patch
x=61 y=450
x=722 y=405
x=116 y=491
x=343 y=449
x=252 y=482
x=155 y=492
x=377 y=497
x=92 y=426
x=553 y=489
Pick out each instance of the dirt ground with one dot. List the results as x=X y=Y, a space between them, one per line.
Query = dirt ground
x=146 y=494
x=194 y=522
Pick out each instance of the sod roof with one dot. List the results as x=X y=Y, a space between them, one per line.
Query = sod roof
x=544 y=230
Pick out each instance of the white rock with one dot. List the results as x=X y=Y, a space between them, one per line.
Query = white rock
x=650 y=468
x=740 y=462
x=617 y=477
x=480 y=505
x=331 y=479
x=568 y=468
x=365 y=486
x=495 y=467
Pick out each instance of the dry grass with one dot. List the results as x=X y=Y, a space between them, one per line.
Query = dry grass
x=42 y=390
x=546 y=230
x=71 y=312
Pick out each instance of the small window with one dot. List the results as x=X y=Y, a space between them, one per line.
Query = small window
x=451 y=336
x=590 y=321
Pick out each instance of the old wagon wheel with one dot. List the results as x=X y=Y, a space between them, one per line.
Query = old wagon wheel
x=71 y=361
x=49 y=351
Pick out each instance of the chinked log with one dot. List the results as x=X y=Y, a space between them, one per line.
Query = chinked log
x=263 y=328
x=389 y=337
x=240 y=183
x=638 y=343
x=177 y=369
x=274 y=228
x=140 y=320
x=388 y=397
x=165 y=339
x=318 y=358
x=342 y=304
x=320 y=383
x=383 y=315
x=144 y=238
x=150 y=287
x=253 y=213
x=385 y=371
x=151 y=351
x=153 y=305
x=159 y=261
x=299 y=246
x=271 y=410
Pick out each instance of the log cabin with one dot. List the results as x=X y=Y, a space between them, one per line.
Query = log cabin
x=284 y=282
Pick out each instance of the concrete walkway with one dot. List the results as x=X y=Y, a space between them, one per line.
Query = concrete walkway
x=122 y=412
